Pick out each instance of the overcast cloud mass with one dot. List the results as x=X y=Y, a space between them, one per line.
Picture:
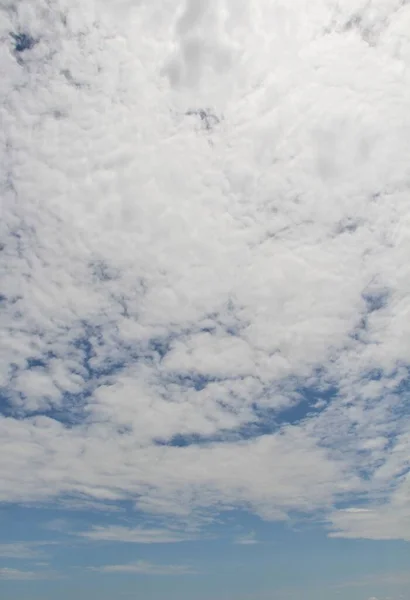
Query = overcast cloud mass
x=205 y=277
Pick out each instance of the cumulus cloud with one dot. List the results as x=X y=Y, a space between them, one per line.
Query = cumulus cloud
x=204 y=245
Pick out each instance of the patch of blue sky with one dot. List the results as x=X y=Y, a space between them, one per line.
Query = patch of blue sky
x=190 y=380
x=94 y=368
x=104 y=272
x=72 y=413
x=82 y=356
x=311 y=398
x=265 y=420
x=160 y=346
x=87 y=356
x=373 y=302
x=376 y=300
x=22 y=41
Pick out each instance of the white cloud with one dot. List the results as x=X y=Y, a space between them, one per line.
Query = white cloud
x=205 y=211
x=142 y=567
x=387 y=522
x=270 y=473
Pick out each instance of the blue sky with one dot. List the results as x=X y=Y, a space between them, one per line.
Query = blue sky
x=204 y=294
x=241 y=557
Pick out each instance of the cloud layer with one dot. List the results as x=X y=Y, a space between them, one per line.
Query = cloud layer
x=205 y=238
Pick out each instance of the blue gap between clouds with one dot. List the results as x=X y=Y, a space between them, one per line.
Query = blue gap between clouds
x=373 y=302
x=267 y=421
x=73 y=404
x=22 y=41
x=73 y=410
x=73 y=407
x=398 y=412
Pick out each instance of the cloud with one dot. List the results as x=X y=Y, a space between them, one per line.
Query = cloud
x=19 y=575
x=145 y=568
x=248 y=539
x=23 y=550
x=292 y=471
x=377 y=524
x=380 y=579
x=136 y=535
x=61 y=525
x=205 y=238
x=85 y=505
x=19 y=550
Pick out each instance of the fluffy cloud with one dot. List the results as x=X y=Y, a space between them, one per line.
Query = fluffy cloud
x=205 y=228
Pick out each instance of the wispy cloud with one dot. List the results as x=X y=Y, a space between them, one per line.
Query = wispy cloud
x=21 y=575
x=248 y=539
x=401 y=578
x=61 y=525
x=383 y=522
x=146 y=568
x=83 y=504
x=137 y=535
x=24 y=550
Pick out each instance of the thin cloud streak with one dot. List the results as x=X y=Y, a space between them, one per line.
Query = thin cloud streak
x=145 y=568
x=136 y=535
x=10 y=574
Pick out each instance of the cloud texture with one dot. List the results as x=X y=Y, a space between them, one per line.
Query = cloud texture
x=205 y=232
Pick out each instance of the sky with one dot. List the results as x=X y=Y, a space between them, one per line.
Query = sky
x=205 y=295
